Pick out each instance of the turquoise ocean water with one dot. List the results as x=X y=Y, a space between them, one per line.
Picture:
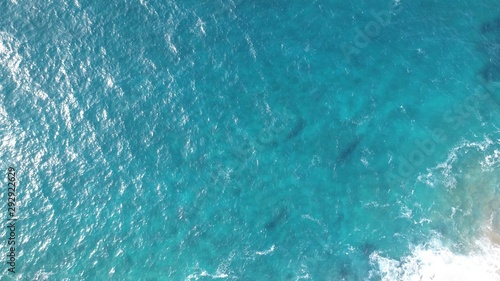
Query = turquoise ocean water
x=252 y=140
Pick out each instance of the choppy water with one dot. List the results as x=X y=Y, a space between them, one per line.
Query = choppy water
x=253 y=140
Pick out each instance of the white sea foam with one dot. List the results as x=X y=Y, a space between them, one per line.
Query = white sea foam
x=196 y=276
x=445 y=168
x=490 y=160
x=221 y=273
x=471 y=188
x=261 y=253
x=436 y=262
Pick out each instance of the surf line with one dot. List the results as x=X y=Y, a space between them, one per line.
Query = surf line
x=455 y=117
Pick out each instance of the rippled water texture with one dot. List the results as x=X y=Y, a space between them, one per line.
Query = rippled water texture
x=252 y=140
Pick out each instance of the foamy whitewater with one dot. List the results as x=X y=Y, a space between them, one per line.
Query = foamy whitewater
x=251 y=140
x=469 y=258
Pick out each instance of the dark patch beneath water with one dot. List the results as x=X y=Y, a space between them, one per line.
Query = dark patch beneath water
x=367 y=248
x=280 y=216
x=491 y=72
x=299 y=126
x=346 y=153
x=490 y=47
x=491 y=26
x=346 y=271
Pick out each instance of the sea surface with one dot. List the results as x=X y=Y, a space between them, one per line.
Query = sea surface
x=252 y=140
